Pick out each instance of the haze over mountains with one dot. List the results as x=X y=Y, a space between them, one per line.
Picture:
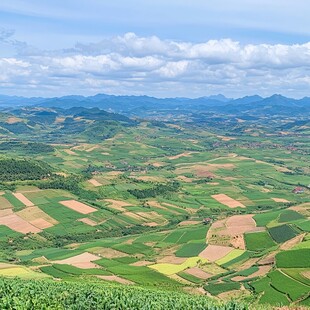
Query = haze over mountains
x=140 y=105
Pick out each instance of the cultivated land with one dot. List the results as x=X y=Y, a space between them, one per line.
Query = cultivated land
x=208 y=206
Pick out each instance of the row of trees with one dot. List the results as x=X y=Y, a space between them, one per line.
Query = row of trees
x=157 y=189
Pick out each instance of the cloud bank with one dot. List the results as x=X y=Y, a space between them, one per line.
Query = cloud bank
x=130 y=64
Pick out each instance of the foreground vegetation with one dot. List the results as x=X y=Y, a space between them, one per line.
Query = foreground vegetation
x=29 y=295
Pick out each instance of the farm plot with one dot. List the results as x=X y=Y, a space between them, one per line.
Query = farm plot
x=293 y=259
x=10 y=270
x=290 y=216
x=190 y=249
x=257 y=241
x=198 y=273
x=170 y=269
x=269 y=295
x=305 y=225
x=286 y=285
x=280 y=200
x=87 y=221
x=94 y=182
x=115 y=278
x=230 y=256
x=214 y=252
x=282 y=233
x=261 y=271
x=107 y=252
x=117 y=204
x=228 y=201
x=78 y=206
x=229 y=232
x=83 y=261
x=18 y=224
x=218 y=288
x=23 y=199
x=5 y=204
x=36 y=217
x=263 y=219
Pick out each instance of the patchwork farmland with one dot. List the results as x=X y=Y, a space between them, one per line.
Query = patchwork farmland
x=156 y=206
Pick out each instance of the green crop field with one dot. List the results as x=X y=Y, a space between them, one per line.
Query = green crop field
x=293 y=259
x=282 y=233
x=190 y=249
x=289 y=216
x=258 y=241
x=305 y=225
x=294 y=289
x=216 y=289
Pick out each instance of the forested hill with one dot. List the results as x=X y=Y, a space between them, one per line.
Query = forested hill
x=61 y=125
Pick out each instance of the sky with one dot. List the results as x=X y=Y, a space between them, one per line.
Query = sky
x=171 y=48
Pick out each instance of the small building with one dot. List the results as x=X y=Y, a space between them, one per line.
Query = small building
x=298 y=190
x=207 y=220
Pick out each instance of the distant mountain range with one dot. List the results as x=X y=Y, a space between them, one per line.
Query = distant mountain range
x=142 y=106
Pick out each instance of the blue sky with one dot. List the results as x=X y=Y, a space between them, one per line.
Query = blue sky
x=161 y=48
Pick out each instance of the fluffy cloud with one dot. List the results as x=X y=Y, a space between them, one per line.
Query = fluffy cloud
x=149 y=65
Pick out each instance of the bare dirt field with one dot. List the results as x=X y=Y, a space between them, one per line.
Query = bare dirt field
x=279 y=200
x=185 y=154
x=78 y=206
x=23 y=199
x=290 y=243
x=69 y=152
x=267 y=260
x=239 y=224
x=116 y=279
x=16 y=223
x=185 y=179
x=83 y=261
x=227 y=201
x=108 y=253
x=41 y=223
x=34 y=213
x=118 y=204
x=158 y=164
x=203 y=171
x=238 y=242
x=188 y=222
x=156 y=204
x=5 y=212
x=171 y=259
x=247 y=264
x=150 y=224
x=87 y=221
x=142 y=263
x=302 y=209
x=223 y=138
x=230 y=231
x=306 y=274
x=94 y=182
x=134 y=216
x=5 y=204
x=215 y=252
x=92 y=148
x=13 y=120
x=198 y=273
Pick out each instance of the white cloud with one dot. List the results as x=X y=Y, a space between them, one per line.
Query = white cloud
x=150 y=65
